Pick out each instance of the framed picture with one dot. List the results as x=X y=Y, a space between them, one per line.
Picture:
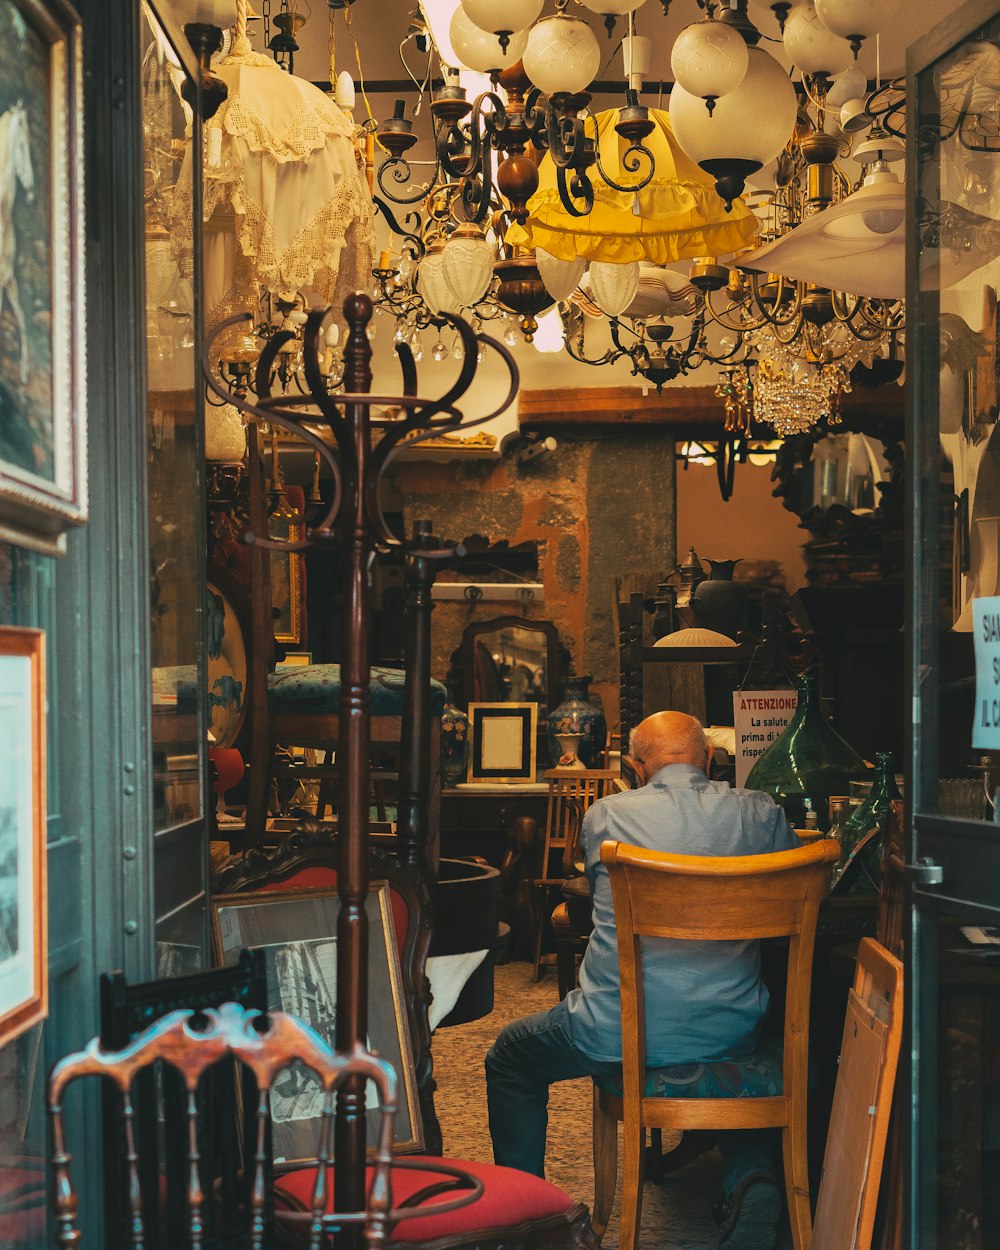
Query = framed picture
x=502 y=738
x=23 y=925
x=43 y=437
x=297 y=930
x=286 y=579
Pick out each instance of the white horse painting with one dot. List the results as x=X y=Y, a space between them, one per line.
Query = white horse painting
x=15 y=172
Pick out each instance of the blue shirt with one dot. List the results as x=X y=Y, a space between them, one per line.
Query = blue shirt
x=704 y=1000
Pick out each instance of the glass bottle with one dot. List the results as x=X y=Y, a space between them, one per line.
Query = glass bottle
x=808 y=760
x=870 y=815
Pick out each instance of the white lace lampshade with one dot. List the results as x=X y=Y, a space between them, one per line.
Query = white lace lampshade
x=286 y=206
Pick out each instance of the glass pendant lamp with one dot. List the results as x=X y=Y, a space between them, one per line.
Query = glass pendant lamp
x=614 y=287
x=809 y=760
x=561 y=277
x=562 y=55
x=501 y=17
x=709 y=59
x=481 y=50
x=467 y=264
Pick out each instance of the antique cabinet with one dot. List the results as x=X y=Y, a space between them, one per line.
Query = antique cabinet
x=953 y=203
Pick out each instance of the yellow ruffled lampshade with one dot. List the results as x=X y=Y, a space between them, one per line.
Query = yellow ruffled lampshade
x=680 y=214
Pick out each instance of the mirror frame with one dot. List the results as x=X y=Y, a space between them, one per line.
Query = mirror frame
x=476 y=629
x=792 y=475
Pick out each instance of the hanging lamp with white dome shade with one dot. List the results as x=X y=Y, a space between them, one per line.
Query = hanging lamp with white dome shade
x=562 y=55
x=812 y=47
x=502 y=17
x=709 y=59
x=481 y=50
x=611 y=10
x=748 y=128
x=857 y=20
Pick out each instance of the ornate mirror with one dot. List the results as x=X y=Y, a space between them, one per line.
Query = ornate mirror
x=511 y=660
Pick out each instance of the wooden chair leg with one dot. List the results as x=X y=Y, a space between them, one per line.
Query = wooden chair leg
x=605 y=1166
x=654 y=1155
x=796 y=1163
x=633 y=1169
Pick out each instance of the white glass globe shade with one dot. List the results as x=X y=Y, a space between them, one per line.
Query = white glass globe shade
x=811 y=47
x=614 y=287
x=480 y=49
x=502 y=15
x=467 y=264
x=709 y=59
x=208 y=12
x=752 y=123
x=562 y=55
x=847 y=86
x=612 y=8
x=434 y=286
x=559 y=277
x=551 y=334
x=857 y=18
x=225 y=434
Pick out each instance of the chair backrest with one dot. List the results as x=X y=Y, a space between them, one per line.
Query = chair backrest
x=717 y=898
x=160 y=1105
x=572 y=792
x=862 y=1103
x=189 y=1043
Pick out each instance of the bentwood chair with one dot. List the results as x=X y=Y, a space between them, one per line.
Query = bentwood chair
x=705 y=899
x=572 y=792
x=189 y=1043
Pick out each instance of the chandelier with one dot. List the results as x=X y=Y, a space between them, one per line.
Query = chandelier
x=784 y=391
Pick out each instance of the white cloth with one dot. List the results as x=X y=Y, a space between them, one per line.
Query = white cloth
x=448 y=975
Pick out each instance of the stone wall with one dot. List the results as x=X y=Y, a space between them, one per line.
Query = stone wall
x=598 y=509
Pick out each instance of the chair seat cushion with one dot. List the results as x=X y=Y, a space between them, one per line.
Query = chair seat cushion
x=757 y=1076
x=316 y=688
x=511 y=1198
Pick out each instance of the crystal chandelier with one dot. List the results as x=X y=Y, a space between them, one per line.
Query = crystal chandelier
x=782 y=390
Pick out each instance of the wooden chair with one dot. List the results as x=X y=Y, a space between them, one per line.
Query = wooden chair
x=572 y=791
x=700 y=898
x=862 y=1103
x=189 y=1043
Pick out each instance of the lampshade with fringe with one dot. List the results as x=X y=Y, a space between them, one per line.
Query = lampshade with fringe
x=678 y=215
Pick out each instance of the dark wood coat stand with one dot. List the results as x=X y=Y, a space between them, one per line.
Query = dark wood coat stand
x=354 y=520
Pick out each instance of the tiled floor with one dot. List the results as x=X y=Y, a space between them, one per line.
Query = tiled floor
x=676 y=1213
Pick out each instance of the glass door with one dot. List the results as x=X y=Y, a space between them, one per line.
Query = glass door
x=953 y=446
x=174 y=417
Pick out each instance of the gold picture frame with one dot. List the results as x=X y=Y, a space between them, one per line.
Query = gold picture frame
x=502 y=742
x=23 y=916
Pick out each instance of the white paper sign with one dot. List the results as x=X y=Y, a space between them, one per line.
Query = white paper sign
x=986 y=633
x=759 y=716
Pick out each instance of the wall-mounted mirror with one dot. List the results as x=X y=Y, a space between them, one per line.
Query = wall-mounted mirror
x=511 y=660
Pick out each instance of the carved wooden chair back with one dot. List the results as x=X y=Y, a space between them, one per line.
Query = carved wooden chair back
x=190 y=1043
x=862 y=1103
x=159 y=1102
x=309 y=859
x=710 y=898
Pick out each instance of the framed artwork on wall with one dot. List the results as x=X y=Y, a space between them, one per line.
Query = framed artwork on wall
x=23 y=923
x=43 y=437
x=297 y=931
x=502 y=741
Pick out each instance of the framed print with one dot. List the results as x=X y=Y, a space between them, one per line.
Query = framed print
x=286 y=582
x=23 y=926
x=297 y=930
x=43 y=473
x=502 y=737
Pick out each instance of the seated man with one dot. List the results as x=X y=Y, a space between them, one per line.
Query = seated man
x=704 y=1001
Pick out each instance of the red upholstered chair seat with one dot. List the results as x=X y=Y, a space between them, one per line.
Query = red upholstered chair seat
x=515 y=1206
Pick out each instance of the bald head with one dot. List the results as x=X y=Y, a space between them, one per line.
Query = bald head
x=669 y=738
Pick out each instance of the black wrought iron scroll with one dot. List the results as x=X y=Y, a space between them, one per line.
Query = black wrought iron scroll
x=367 y=432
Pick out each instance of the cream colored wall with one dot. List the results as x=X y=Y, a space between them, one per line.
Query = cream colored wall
x=752 y=525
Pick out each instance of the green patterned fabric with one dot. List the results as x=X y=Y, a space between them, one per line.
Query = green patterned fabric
x=316 y=688
x=757 y=1076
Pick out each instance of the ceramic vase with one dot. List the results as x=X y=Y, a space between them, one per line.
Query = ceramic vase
x=569 y=748
x=718 y=602
x=809 y=760
x=454 y=744
x=579 y=713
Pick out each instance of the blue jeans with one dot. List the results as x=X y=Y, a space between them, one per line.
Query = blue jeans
x=534 y=1052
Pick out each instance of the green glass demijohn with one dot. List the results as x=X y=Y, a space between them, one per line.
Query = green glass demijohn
x=809 y=760
x=871 y=814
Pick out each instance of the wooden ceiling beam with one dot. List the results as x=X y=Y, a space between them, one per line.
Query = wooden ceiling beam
x=693 y=410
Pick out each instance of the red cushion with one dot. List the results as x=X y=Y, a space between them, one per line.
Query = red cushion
x=510 y=1198
x=322 y=877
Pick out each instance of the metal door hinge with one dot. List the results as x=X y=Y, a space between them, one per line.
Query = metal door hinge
x=924 y=872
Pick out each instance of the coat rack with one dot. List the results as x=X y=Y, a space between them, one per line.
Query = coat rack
x=354 y=521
